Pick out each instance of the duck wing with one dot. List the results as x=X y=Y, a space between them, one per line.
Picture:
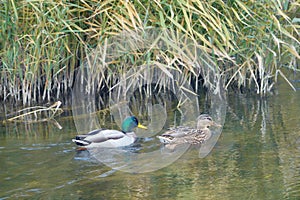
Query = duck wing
x=105 y=135
x=178 y=132
x=93 y=132
x=98 y=136
x=183 y=134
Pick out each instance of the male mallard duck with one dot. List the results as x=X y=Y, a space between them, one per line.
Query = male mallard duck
x=183 y=135
x=110 y=138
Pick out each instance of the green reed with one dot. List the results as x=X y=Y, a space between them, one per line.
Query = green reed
x=44 y=43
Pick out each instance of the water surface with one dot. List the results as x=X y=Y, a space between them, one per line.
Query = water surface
x=256 y=157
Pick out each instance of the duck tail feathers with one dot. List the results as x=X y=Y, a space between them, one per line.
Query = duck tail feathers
x=81 y=142
x=164 y=140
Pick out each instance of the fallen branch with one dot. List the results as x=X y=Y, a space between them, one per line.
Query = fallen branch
x=40 y=113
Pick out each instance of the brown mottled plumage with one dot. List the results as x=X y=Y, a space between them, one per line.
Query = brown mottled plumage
x=187 y=135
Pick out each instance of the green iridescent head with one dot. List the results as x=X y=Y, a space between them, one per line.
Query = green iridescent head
x=130 y=123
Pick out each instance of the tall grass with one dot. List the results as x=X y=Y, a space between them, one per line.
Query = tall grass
x=43 y=43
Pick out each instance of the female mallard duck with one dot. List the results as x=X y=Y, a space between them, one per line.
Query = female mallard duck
x=187 y=135
x=110 y=138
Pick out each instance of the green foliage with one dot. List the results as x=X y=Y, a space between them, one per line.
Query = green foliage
x=44 y=42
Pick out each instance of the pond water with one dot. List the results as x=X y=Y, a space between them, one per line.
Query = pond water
x=256 y=157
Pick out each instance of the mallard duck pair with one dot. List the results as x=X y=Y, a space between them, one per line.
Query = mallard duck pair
x=113 y=138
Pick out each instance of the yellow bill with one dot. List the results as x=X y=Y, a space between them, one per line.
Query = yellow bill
x=141 y=126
